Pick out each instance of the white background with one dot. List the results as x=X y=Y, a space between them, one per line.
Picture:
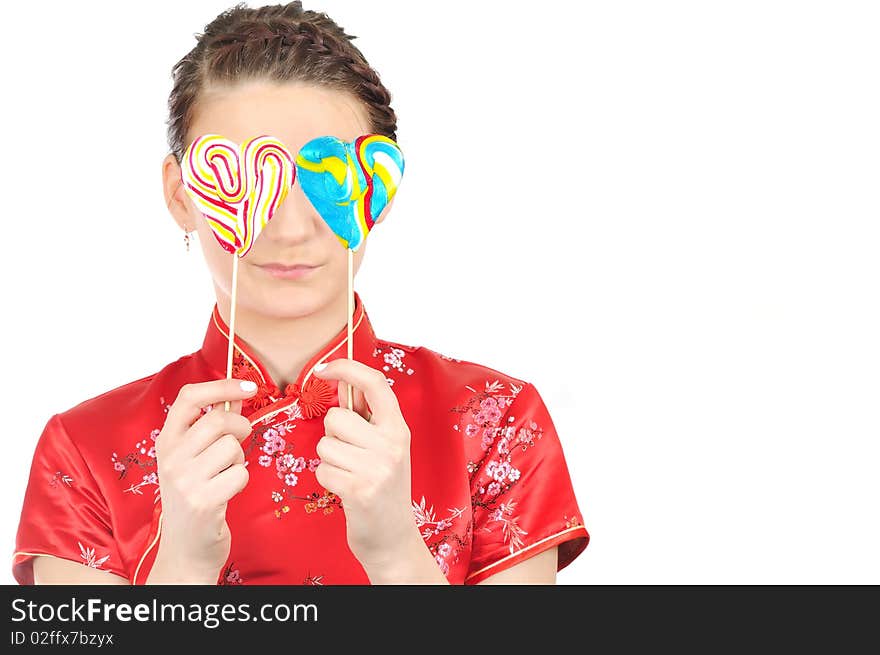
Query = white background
x=664 y=215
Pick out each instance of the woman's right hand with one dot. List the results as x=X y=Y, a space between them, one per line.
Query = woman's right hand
x=200 y=465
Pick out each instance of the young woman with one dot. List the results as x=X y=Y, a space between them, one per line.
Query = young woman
x=445 y=471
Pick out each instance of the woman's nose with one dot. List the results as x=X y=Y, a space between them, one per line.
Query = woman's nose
x=294 y=219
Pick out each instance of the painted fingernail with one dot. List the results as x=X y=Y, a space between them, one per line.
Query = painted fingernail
x=319 y=367
x=248 y=385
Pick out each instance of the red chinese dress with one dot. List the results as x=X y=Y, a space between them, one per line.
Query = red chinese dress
x=490 y=484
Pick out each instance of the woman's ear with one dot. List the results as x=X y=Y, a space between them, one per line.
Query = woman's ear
x=175 y=195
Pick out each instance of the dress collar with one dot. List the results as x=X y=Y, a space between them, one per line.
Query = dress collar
x=315 y=394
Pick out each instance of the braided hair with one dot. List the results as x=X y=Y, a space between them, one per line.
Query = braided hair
x=277 y=43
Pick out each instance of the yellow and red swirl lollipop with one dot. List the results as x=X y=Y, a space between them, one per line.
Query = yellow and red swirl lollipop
x=238 y=188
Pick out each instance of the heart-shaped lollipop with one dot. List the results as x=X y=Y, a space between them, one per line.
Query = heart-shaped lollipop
x=350 y=183
x=237 y=188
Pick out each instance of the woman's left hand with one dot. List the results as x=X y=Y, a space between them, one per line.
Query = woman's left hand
x=365 y=460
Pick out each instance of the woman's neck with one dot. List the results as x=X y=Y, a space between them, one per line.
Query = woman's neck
x=285 y=344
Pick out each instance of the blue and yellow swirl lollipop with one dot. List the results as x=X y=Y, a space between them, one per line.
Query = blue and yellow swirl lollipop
x=350 y=183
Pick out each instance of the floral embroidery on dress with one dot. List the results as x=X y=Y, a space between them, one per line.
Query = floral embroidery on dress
x=573 y=522
x=509 y=528
x=482 y=413
x=142 y=458
x=243 y=370
x=231 y=576
x=60 y=477
x=314 y=579
x=393 y=356
x=494 y=473
x=283 y=419
x=430 y=527
x=88 y=554
x=326 y=502
x=277 y=452
x=148 y=479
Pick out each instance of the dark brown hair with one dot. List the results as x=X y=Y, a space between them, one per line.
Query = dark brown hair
x=274 y=43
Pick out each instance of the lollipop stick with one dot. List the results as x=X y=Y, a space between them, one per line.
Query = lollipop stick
x=231 y=323
x=350 y=313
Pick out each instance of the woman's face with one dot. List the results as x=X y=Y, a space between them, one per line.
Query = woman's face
x=294 y=113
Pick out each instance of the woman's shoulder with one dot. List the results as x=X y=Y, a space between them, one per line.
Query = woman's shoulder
x=126 y=409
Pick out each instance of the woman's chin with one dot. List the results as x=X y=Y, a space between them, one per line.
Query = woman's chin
x=280 y=299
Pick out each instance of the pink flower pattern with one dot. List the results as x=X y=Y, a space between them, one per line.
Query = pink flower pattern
x=494 y=474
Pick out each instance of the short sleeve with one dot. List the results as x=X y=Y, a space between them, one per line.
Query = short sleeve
x=64 y=514
x=522 y=495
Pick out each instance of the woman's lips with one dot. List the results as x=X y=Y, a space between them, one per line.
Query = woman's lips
x=288 y=272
